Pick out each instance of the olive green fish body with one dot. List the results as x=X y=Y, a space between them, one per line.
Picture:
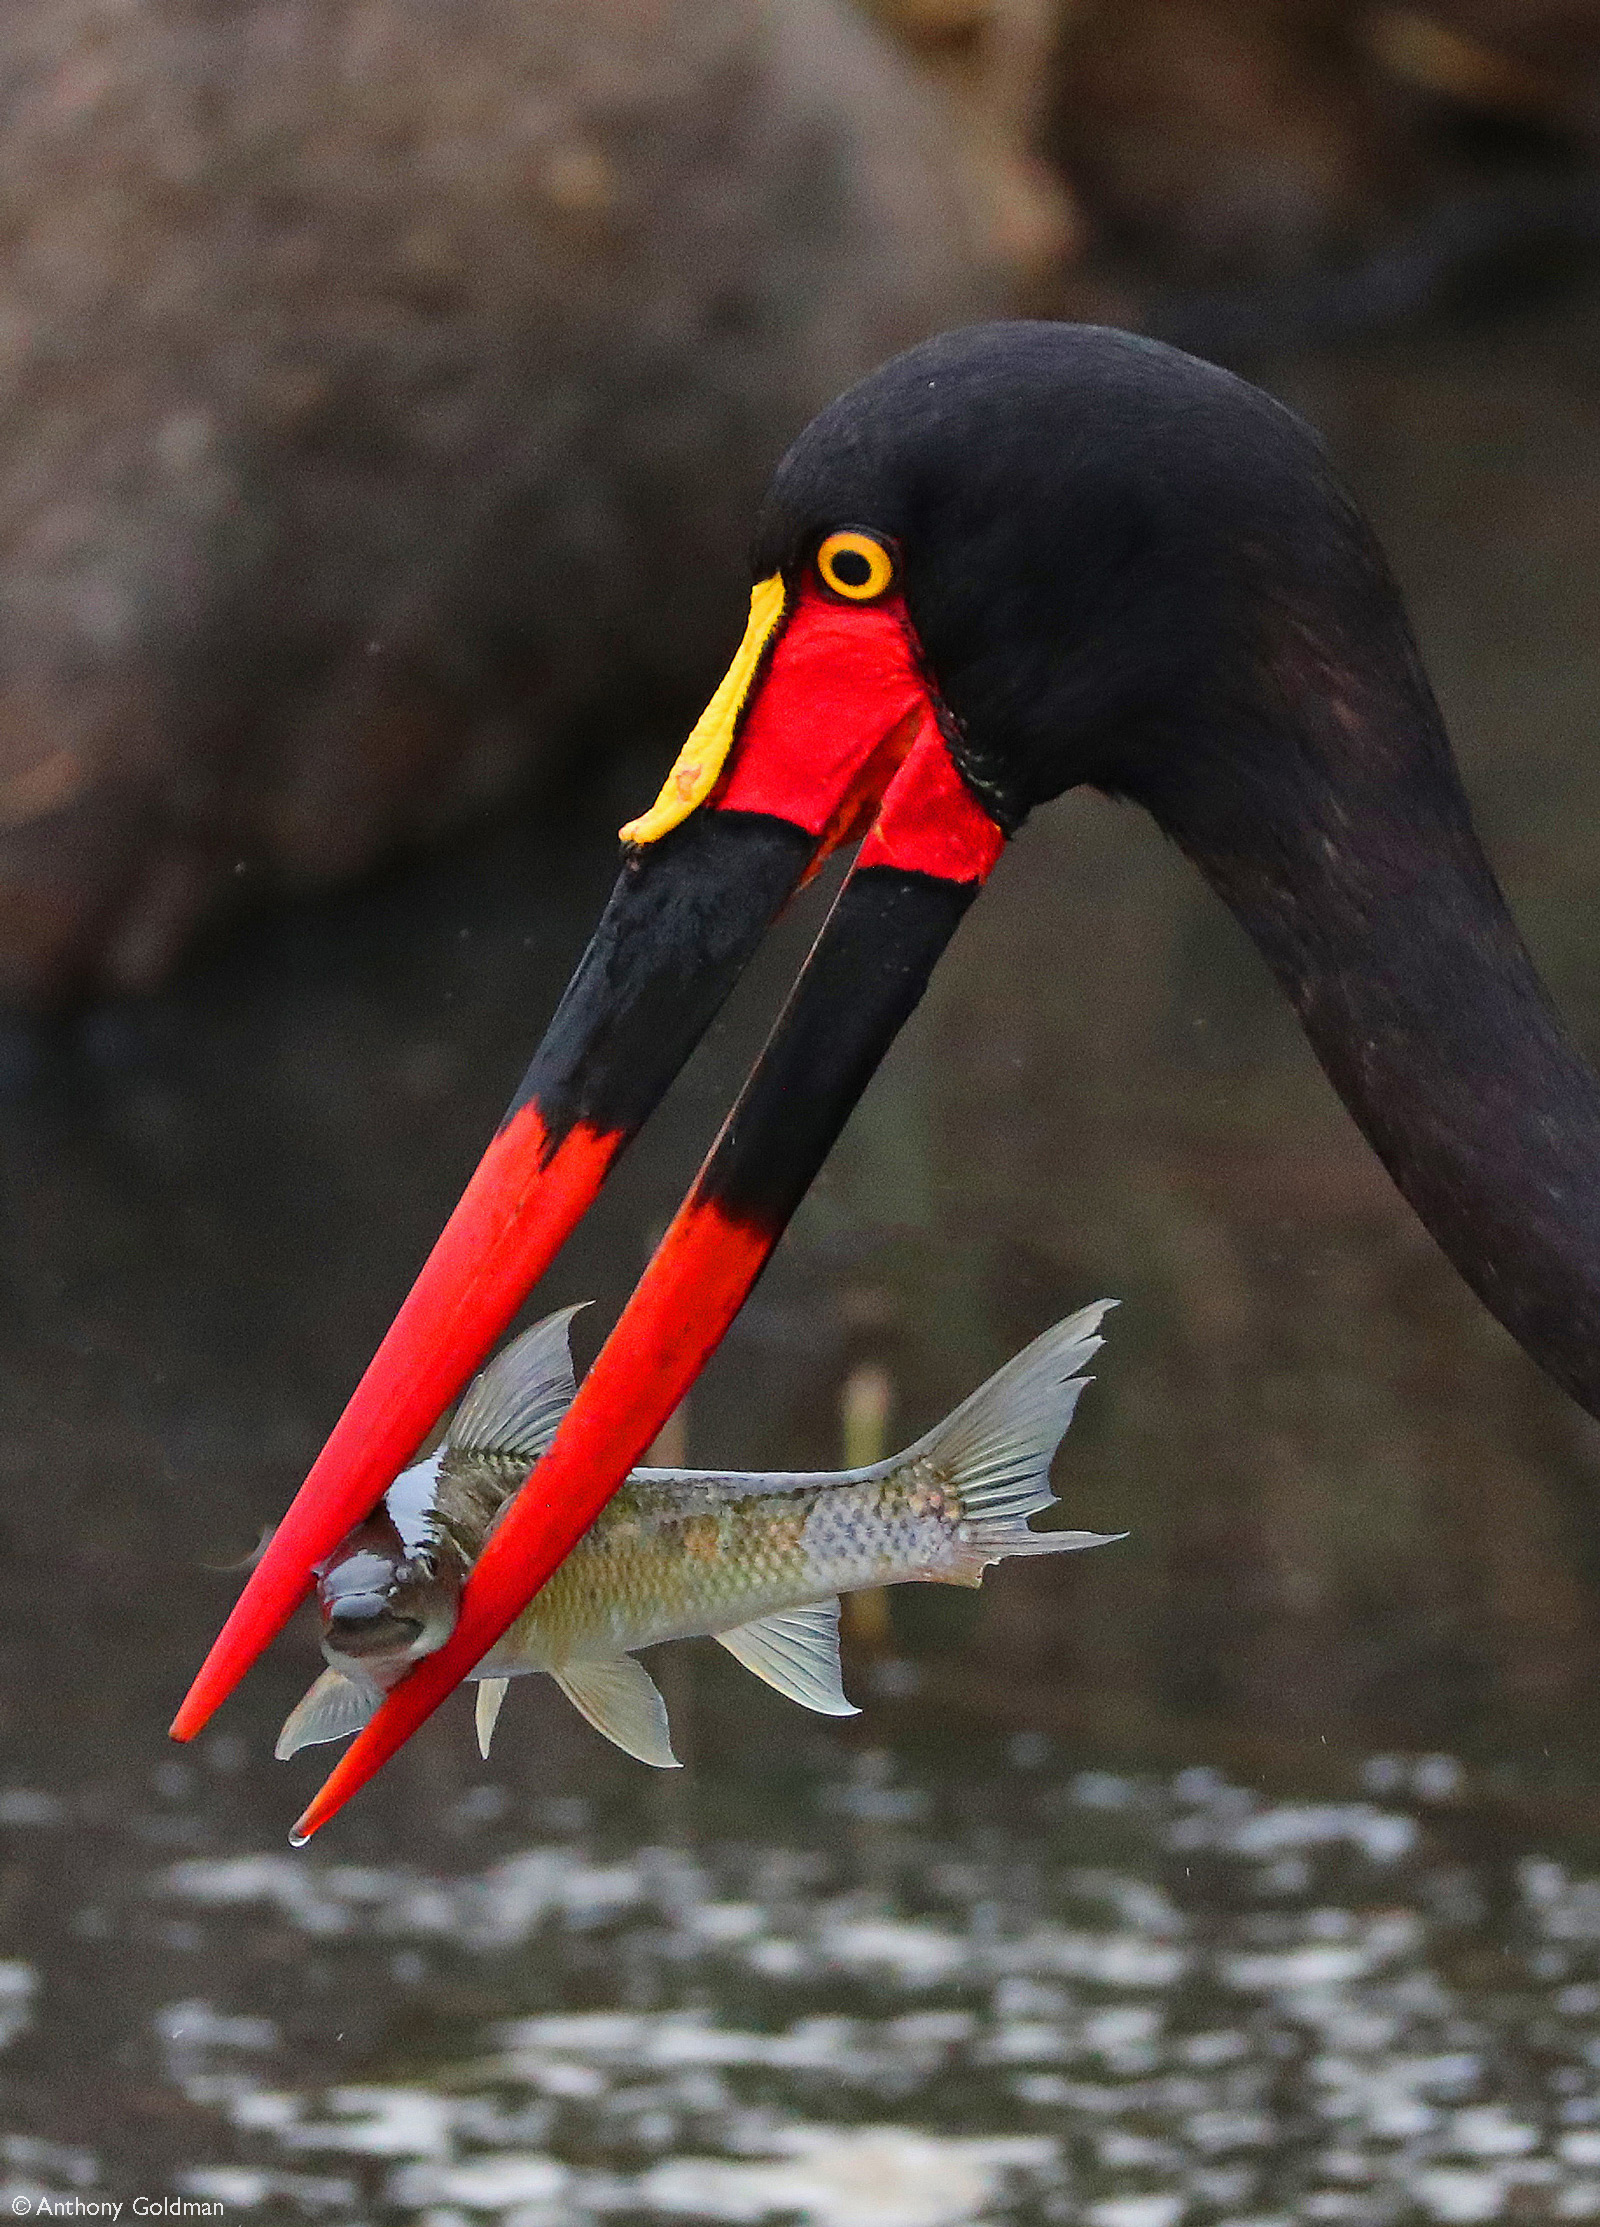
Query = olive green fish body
x=683 y=1555
x=755 y=1560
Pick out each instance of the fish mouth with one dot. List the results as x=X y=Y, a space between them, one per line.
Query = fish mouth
x=357 y=1633
x=833 y=733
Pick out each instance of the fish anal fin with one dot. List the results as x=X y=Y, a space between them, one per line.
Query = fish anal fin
x=620 y=1699
x=515 y=1405
x=329 y=1710
x=491 y=1692
x=796 y=1652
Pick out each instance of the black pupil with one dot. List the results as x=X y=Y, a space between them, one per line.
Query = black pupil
x=851 y=569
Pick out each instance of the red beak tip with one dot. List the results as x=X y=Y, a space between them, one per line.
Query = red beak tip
x=193 y=1716
x=315 y=1815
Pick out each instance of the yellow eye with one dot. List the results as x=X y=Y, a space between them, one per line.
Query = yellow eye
x=856 y=566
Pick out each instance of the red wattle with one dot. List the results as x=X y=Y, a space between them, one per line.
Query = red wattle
x=930 y=822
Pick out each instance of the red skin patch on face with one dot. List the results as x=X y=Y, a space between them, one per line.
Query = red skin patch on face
x=842 y=718
x=842 y=679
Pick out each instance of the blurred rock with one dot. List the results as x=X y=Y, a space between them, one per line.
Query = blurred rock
x=1543 y=51
x=1219 y=139
x=993 y=57
x=387 y=388
x=1261 y=173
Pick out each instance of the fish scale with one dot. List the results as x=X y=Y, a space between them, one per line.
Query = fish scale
x=640 y=1576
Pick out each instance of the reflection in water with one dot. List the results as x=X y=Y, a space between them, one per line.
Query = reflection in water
x=892 y=1971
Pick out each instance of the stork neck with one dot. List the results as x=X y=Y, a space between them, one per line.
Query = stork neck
x=1383 y=921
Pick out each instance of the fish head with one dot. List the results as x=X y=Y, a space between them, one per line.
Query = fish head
x=385 y=1602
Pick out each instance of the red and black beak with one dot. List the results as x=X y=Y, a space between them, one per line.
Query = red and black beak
x=824 y=728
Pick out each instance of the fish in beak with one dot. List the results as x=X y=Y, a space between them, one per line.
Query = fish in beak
x=824 y=729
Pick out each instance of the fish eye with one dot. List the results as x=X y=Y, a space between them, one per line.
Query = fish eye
x=856 y=565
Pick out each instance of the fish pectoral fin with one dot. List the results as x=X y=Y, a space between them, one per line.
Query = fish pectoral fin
x=245 y=1561
x=620 y=1699
x=491 y=1692
x=515 y=1405
x=330 y=1709
x=797 y=1653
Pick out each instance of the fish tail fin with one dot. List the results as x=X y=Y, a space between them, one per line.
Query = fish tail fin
x=995 y=1450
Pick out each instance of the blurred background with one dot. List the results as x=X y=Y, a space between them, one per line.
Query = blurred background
x=388 y=387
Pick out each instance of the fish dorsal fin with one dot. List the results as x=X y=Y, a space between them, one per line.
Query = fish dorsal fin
x=797 y=1653
x=334 y=1706
x=491 y=1692
x=619 y=1698
x=515 y=1405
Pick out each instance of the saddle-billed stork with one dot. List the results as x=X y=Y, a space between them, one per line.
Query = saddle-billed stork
x=1015 y=560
